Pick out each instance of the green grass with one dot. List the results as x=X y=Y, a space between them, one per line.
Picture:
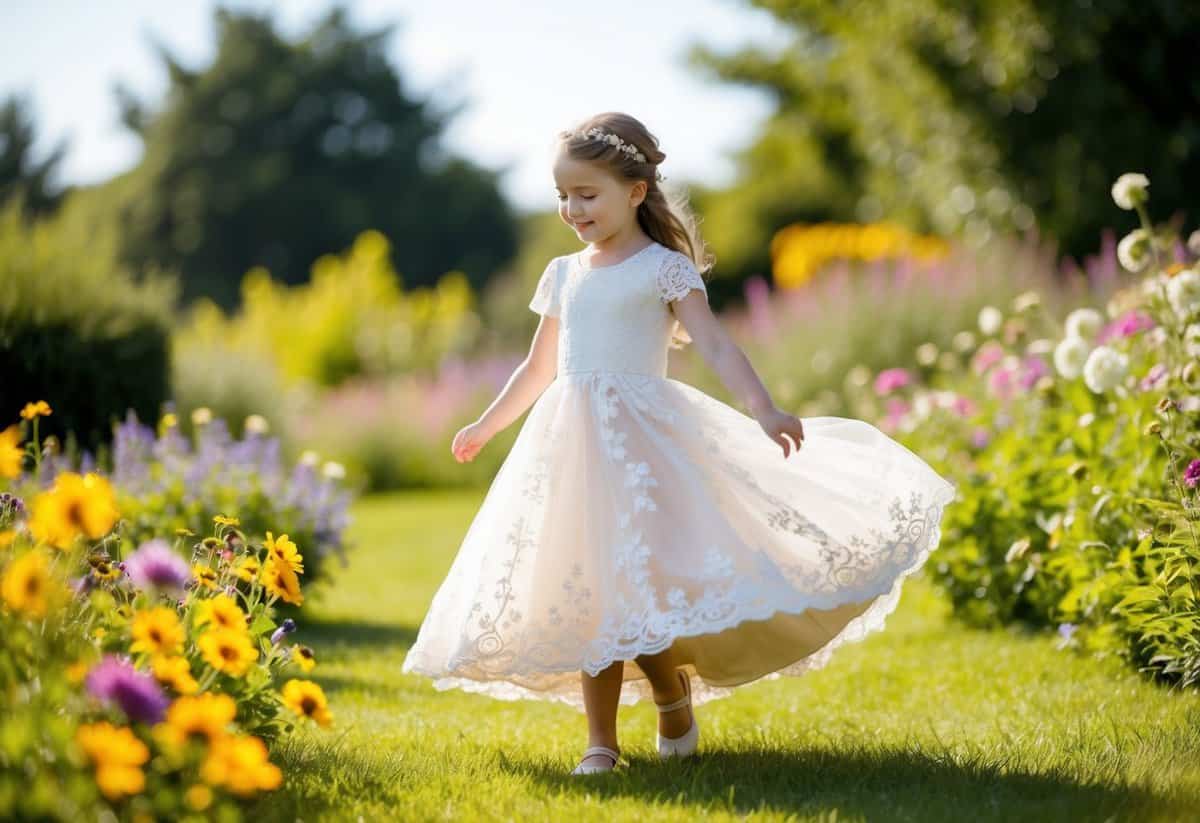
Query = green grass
x=926 y=720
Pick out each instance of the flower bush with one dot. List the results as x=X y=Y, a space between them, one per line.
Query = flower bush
x=139 y=682
x=1078 y=449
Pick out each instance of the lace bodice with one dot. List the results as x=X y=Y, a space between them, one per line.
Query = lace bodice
x=616 y=318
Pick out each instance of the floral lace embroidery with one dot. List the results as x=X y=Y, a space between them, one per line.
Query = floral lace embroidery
x=677 y=275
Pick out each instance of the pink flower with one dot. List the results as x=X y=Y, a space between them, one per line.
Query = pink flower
x=989 y=354
x=1191 y=474
x=980 y=438
x=1153 y=377
x=1000 y=383
x=963 y=406
x=896 y=410
x=1127 y=325
x=889 y=380
x=1033 y=369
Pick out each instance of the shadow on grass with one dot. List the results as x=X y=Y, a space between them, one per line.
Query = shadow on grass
x=355 y=635
x=893 y=784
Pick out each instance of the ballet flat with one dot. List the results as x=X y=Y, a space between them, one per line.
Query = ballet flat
x=685 y=744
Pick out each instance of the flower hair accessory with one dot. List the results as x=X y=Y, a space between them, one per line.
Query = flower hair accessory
x=615 y=140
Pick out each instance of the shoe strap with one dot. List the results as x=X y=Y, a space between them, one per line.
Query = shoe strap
x=676 y=704
x=605 y=750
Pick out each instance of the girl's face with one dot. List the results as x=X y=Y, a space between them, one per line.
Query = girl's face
x=592 y=201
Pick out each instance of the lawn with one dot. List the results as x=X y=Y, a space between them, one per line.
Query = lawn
x=926 y=720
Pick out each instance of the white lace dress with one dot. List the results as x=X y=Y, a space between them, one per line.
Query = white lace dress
x=635 y=512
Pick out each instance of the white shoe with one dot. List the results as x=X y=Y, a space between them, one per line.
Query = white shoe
x=686 y=743
x=584 y=768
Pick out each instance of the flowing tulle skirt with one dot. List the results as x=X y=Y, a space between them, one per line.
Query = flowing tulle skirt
x=637 y=512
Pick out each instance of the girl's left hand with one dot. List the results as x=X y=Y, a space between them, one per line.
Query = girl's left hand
x=777 y=423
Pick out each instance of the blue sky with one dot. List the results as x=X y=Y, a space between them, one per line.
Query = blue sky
x=524 y=69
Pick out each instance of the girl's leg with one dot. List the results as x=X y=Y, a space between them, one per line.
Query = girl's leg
x=660 y=669
x=600 y=697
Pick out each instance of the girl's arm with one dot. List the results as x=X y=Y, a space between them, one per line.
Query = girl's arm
x=730 y=363
x=528 y=380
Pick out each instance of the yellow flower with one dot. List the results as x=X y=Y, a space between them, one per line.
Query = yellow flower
x=227 y=651
x=75 y=505
x=7 y=537
x=198 y=797
x=200 y=717
x=157 y=631
x=39 y=409
x=281 y=581
x=176 y=673
x=221 y=612
x=26 y=584
x=117 y=755
x=283 y=550
x=222 y=520
x=240 y=764
x=303 y=657
x=205 y=576
x=12 y=454
x=306 y=699
x=77 y=671
x=247 y=568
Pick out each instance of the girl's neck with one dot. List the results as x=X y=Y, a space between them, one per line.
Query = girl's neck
x=616 y=247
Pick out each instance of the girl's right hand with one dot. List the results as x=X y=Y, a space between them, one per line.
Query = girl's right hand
x=468 y=441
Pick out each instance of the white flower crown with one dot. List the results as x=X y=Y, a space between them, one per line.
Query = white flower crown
x=615 y=140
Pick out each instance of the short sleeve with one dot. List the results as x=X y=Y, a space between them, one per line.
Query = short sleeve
x=677 y=275
x=546 y=298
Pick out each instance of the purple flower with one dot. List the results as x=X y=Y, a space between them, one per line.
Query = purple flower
x=1191 y=475
x=980 y=438
x=1034 y=368
x=156 y=564
x=115 y=680
x=889 y=380
x=289 y=626
x=1153 y=377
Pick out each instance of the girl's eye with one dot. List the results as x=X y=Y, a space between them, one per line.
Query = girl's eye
x=585 y=197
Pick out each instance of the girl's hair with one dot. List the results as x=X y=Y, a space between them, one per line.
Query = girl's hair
x=666 y=216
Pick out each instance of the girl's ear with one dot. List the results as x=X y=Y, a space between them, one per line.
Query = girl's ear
x=638 y=193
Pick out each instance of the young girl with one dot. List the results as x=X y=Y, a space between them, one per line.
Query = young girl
x=637 y=518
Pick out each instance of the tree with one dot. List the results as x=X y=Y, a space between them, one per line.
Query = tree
x=973 y=117
x=20 y=174
x=280 y=152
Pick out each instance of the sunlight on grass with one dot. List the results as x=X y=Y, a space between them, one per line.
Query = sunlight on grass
x=925 y=720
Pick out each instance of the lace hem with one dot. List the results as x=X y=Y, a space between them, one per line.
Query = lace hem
x=564 y=686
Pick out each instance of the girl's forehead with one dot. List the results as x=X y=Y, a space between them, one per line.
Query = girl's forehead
x=570 y=173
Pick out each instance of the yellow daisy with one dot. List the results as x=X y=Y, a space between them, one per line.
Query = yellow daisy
x=12 y=453
x=117 y=755
x=202 y=717
x=157 y=631
x=222 y=520
x=227 y=651
x=281 y=581
x=306 y=699
x=75 y=505
x=176 y=673
x=240 y=764
x=303 y=657
x=247 y=568
x=39 y=409
x=26 y=584
x=283 y=550
x=205 y=576
x=221 y=612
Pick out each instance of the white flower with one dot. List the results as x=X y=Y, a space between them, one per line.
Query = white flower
x=256 y=424
x=1183 y=292
x=922 y=405
x=309 y=457
x=1042 y=345
x=201 y=416
x=1193 y=242
x=927 y=354
x=1070 y=355
x=1191 y=340
x=1105 y=368
x=990 y=319
x=963 y=342
x=1026 y=300
x=1084 y=323
x=1134 y=250
x=1130 y=190
x=333 y=470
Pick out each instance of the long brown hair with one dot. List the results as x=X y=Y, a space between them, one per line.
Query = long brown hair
x=665 y=215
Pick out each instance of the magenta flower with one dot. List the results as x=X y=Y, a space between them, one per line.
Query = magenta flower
x=1191 y=475
x=1000 y=383
x=889 y=380
x=1127 y=325
x=115 y=680
x=155 y=564
x=980 y=438
x=963 y=406
x=1033 y=369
